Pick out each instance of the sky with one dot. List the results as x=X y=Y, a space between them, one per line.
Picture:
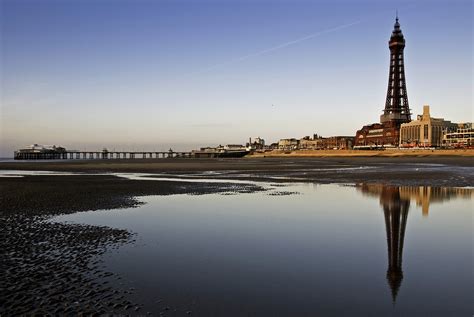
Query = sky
x=150 y=75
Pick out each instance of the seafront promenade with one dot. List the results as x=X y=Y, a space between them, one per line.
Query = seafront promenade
x=362 y=153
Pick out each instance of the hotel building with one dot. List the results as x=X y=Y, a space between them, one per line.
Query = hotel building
x=425 y=131
x=462 y=137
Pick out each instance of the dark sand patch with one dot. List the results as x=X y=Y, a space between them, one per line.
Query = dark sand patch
x=40 y=195
x=54 y=268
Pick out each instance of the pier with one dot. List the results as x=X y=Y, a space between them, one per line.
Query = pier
x=98 y=155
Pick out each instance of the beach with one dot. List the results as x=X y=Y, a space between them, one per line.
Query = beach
x=397 y=170
x=55 y=267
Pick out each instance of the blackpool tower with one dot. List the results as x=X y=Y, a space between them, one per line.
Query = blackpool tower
x=386 y=134
x=396 y=109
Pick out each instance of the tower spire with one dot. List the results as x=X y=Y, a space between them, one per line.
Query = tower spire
x=396 y=27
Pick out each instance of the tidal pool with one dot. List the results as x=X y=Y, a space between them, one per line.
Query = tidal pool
x=298 y=250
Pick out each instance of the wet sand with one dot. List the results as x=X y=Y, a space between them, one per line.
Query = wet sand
x=55 y=268
x=417 y=171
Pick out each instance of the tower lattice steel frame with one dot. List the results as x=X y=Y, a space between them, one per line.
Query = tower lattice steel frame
x=396 y=110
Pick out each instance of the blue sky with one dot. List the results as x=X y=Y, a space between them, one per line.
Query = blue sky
x=150 y=74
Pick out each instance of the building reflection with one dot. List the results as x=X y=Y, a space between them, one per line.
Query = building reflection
x=425 y=195
x=395 y=202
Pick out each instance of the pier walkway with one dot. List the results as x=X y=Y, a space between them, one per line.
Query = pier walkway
x=102 y=155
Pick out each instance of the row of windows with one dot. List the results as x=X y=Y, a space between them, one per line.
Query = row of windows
x=459 y=136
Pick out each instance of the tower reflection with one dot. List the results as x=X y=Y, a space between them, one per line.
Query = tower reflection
x=395 y=211
x=395 y=202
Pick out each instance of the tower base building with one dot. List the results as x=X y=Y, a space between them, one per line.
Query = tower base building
x=377 y=136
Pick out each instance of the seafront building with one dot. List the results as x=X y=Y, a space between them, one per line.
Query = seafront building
x=233 y=147
x=425 y=131
x=257 y=144
x=461 y=137
x=38 y=151
x=317 y=143
x=314 y=143
x=39 y=148
x=288 y=144
x=396 y=111
x=339 y=143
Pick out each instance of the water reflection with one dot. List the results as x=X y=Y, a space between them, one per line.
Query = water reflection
x=395 y=202
x=260 y=254
x=424 y=195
